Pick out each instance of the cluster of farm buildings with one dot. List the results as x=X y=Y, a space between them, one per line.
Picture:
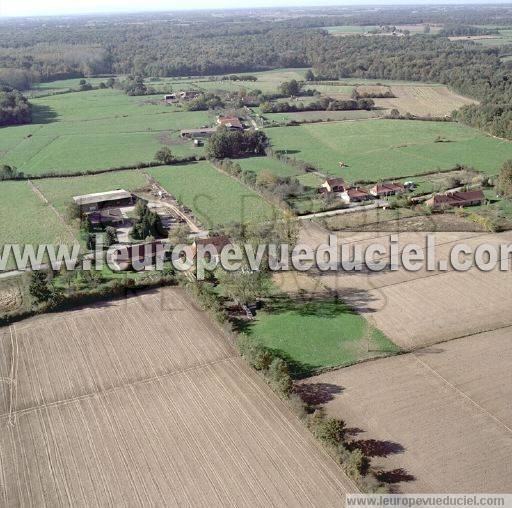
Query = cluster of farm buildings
x=356 y=194
x=232 y=123
x=112 y=208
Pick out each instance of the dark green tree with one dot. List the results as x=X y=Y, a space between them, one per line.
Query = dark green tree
x=164 y=155
x=39 y=287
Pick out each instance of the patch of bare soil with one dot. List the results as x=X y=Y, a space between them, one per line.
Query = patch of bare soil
x=10 y=299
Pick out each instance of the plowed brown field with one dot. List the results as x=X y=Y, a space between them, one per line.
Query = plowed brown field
x=143 y=402
x=437 y=420
x=424 y=100
x=418 y=308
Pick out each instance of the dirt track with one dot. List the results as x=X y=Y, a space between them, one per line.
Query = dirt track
x=143 y=402
x=438 y=420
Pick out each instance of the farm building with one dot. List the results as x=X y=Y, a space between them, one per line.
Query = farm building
x=451 y=199
x=231 y=122
x=334 y=185
x=137 y=256
x=219 y=242
x=387 y=189
x=107 y=217
x=198 y=133
x=355 y=195
x=189 y=94
x=100 y=200
x=170 y=97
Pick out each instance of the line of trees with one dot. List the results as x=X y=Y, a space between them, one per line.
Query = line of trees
x=324 y=104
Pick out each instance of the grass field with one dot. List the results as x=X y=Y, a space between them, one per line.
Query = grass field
x=304 y=116
x=25 y=219
x=95 y=130
x=379 y=149
x=318 y=334
x=259 y=164
x=59 y=191
x=268 y=81
x=157 y=410
x=213 y=197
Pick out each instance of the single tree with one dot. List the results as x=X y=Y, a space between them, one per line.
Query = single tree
x=110 y=236
x=39 y=288
x=164 y=155
x=504 y=183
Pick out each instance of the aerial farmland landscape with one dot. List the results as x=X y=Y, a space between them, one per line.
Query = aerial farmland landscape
x=255 y=256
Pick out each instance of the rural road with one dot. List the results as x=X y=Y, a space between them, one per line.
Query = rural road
x=376 y=204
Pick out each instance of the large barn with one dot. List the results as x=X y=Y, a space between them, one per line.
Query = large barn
x=100 y=200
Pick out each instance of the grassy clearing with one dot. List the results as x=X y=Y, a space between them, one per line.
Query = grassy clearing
x=59 y=191
x=268 y=81
x=259 y=164
x=25 y=219
x=95 y=130
x=215 y=198
x=379 y=149
x=316 y=335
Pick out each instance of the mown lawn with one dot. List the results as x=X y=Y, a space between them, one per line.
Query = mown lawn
x=95 y=130
x=316 y=335
x=25 y=219
x=215 y=198
x=59 y=191
x=380 y=149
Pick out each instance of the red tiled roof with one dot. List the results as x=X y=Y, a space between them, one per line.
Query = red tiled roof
x=457 y=198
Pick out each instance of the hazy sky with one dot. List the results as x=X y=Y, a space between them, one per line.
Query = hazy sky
x=52 y=7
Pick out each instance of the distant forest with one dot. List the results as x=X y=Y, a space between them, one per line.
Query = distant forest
x=248 y=41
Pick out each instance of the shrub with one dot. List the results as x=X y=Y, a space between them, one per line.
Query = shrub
x=279 y=376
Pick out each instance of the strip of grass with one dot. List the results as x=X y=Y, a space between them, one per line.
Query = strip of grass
x=317 y=335
x=25 y=219
x=274 y=166
x=215 y=198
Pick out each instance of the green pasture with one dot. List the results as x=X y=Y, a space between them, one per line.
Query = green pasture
x=308 y=116
x=267 y=82
x=59 y=191
x=97 y=130
x=317 y=335
x=215 y=198
x=258 y=164
x=25 y=219
x=380 y=149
